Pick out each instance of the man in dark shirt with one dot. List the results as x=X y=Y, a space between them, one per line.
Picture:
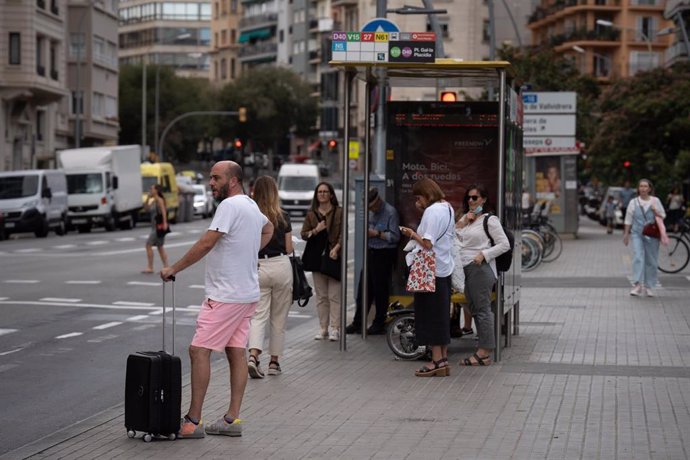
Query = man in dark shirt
x=384 y=235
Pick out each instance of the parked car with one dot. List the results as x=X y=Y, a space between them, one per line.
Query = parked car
x=203 y=201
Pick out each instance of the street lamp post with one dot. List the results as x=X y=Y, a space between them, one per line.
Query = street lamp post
x=603 y=57
x=645 y=37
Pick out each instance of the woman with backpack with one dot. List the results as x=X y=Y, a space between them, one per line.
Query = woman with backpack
x=477 y=255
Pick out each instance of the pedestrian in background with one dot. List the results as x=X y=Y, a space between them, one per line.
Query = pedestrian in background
x=236 y=234
x=641 y=211
x=478 y=260
x=626 y=195
x=384 y=235
x=325 y=215
x=432 y=309
x=610 y=213
x=155 y=205
x=275 y=286
x=676 y=205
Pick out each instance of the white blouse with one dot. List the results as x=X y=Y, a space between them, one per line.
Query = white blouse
x=473 y=240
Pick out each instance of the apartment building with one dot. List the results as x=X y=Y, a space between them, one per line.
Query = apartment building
x=32 y=82
x=678 y=11
x=92 y=69
x=608 y=38
x=172 y=33
x=225 y=22
x=263 y=29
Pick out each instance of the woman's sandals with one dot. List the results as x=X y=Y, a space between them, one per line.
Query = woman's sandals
x=478 y=360
x=440 y=369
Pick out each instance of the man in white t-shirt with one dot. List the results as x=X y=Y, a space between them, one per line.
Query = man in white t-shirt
x=236 y=234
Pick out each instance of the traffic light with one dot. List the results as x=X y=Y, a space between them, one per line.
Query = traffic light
x=449 y=96
x=626 y=164
x=242 y=114
x=238 y=144
x=332 y=146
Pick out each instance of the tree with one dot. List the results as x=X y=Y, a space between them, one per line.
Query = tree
x=279 y=103
x=177 y=95
x=645 y=120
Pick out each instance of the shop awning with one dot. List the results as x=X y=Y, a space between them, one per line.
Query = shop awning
x=258 y=34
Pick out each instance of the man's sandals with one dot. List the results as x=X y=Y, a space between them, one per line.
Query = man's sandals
x=478 y=360
x=440 y=368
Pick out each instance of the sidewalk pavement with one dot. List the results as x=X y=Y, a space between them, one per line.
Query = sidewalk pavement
x=594 y=374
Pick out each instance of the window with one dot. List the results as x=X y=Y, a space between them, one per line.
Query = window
x=223 y=37
x=98 y=105
x=646 y=29
x=53 y=61
x=15 y=48
x=110 y=107
x=78 y=101
x=40 y=124
x=233 y=36
x=223 y=69
x=233 y=6
x=40 y=66
x=232 y=68
x=443 y=24
x=76 y=45
x=486 y=33
x=642 y=60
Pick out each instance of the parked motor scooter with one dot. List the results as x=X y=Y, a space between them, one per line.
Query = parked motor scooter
x=400 y=332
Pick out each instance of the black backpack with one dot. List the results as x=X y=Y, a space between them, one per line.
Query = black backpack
x=503 y=261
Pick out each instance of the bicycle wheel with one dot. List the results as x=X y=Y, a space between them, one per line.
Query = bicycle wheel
x=553 y=241
x=401 y=338
x=531 y=252
x=673 y=257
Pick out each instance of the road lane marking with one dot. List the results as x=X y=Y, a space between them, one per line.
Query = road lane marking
x=7 y=331
x=127 y=251
x=197 y=286
x=688 y=277
x=65 y=246
x=143 y=283
x=4 y=353
x=106 y=325
x=156 y=310
x=298 y=315
x=103 y=338
x=133 y=304
x=129 y=238
x=137 y=318
x=97 y=243
x=21 y=281
x=4 y=298
x=82 y=282
x=193 y=307
x=28 y=250
x=71 y=334
x=7 y=367
x=58 y=299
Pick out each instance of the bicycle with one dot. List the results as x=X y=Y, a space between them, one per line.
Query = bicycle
x=532 y=249
x=675 y=256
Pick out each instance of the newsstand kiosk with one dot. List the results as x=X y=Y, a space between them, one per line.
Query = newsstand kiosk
x=454 y=143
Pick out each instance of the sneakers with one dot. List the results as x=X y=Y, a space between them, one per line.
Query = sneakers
x=274 y=368
x=650 y=293
x=189 y=430
x=223 y=428
x=334 y=336
x=321 y=335
x=253 y=368
x=637 y=291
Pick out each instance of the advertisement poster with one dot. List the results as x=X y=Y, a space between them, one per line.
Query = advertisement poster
x=454 y=144
x=547 y=181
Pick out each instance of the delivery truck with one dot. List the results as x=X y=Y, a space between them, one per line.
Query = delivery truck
x=103 y=186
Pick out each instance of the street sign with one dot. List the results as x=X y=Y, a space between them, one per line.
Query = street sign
x=380 y=25
x=550 y=146
x=550 y=102
x=353 y=150
x=548 y=125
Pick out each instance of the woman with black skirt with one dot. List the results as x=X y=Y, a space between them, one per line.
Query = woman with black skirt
x=432 y=309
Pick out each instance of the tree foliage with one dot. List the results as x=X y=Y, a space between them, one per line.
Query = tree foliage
x=279 y=103
x=645 y=120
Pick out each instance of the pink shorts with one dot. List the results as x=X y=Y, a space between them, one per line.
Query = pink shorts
x=221 y=325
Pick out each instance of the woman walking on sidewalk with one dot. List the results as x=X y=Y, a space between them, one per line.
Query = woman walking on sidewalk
x=432 y=309
x=275 y=287
x=641 y=211
x=325 y=215
x=155 y=204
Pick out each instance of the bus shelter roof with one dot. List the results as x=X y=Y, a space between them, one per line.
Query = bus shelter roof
x=453 y=73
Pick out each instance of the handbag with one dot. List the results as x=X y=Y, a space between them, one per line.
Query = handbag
x=301 y=291
x=330 y=267
x=311 y=257
x=650 y=229
x=422 y=277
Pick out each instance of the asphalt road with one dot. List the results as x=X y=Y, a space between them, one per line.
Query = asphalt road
x=71 y=310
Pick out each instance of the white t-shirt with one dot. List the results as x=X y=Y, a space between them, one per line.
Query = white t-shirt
x=232 y=274
x=437 y=226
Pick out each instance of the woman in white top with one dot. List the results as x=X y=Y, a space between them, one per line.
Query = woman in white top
x=432 y=309
x=477 y=256
x=641 y=211
x=675 y=203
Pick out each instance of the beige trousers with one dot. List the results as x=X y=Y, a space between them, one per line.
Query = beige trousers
x=327 y=292
x=275 y=283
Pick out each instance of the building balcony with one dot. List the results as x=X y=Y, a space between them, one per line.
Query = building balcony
x=579 y=35
x=562 y=8
x=260 y=20
x=675 y=53
x=352 y=3
x=258 y=51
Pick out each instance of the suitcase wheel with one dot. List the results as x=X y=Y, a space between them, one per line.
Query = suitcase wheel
x=131 y=433
x=147 y=437
x=172 y=436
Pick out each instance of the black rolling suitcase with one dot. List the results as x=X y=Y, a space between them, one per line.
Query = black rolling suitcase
x=153 y=389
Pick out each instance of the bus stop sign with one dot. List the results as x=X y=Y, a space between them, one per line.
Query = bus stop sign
x=380 y=25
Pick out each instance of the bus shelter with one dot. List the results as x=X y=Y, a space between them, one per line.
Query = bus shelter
x=454 y=143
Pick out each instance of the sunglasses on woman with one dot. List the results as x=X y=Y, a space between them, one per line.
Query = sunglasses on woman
x=473 y=197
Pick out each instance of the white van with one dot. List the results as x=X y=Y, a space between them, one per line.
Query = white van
x=34 y=201
x=296 y=185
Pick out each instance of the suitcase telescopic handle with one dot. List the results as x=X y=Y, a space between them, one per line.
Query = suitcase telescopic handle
x=172 y=278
